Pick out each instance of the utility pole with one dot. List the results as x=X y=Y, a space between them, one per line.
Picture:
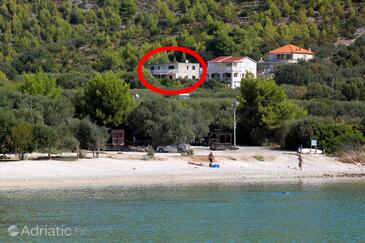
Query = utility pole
x=235 y=105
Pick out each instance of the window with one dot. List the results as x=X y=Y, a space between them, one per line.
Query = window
x=152 y=68
x=158 y=67
x=235 y=75
x=193 y=67
x=193 y=77
x=171 y=67
x=187 y=67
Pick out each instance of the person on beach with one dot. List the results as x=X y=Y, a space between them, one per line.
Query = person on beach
x=300 y=158
x=210 y=158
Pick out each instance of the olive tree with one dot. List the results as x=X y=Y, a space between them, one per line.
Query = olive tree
x=7 y=121
x=21 y=138
x=167 y=121
x=91 y=136
x=45 y=139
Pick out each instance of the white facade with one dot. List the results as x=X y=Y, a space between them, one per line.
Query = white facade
x=289 y=57
x=175 y=70
x=231 y=69
x=288 y=54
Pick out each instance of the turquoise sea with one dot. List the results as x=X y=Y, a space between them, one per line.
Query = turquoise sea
x=210 y=213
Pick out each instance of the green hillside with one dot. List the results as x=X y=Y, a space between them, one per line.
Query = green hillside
x=68 y=70
x=86 y=36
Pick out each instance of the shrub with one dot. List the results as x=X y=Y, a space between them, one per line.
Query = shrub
x=259 y=157
x=362 y=126
x=333 y=108
x=338 y=136
x=300 y=132
x=294 y=91
x=295 y=74
x=331 y=136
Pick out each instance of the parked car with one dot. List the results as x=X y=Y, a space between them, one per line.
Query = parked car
x=173 y=148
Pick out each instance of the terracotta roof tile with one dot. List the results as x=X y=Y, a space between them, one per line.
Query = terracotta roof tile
x=291 y=49
x=225 y=59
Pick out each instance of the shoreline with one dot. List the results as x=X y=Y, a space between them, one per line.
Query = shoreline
x=246 y=165
x=79 y=183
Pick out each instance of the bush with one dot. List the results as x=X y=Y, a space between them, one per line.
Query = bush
x=294 y=91
x=331 y=136
x=295 y=74
x=338 y=136
x=333 y=108
x=362 y=126
x=300 y=132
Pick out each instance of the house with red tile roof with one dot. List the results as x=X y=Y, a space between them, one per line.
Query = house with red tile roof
x=231 y=69
x=287 y=54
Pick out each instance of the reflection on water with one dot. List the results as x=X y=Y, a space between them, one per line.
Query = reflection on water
x=211 y=213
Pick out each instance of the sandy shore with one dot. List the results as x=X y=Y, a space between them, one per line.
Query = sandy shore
x=248 y=164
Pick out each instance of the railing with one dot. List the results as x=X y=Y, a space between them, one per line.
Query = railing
x=164 y=71
x=269 y=61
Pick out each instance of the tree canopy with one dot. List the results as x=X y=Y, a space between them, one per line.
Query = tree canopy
x=107 y=99
x=264 y=107
x=40 y=83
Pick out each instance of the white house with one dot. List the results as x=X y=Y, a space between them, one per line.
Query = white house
x=231 y=69
x=175 y=70
x=287 y=54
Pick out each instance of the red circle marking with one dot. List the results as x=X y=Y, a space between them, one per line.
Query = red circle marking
x=171 y=91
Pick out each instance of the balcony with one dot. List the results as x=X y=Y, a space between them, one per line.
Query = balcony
x=164 y=72
x=279 y=61
x=224 y=69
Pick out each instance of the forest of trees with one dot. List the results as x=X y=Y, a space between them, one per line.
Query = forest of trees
x=68 y=70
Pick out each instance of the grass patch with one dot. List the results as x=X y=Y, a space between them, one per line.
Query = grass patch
x=259 y=157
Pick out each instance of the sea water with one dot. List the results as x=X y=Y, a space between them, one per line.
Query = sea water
x=267 y=212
